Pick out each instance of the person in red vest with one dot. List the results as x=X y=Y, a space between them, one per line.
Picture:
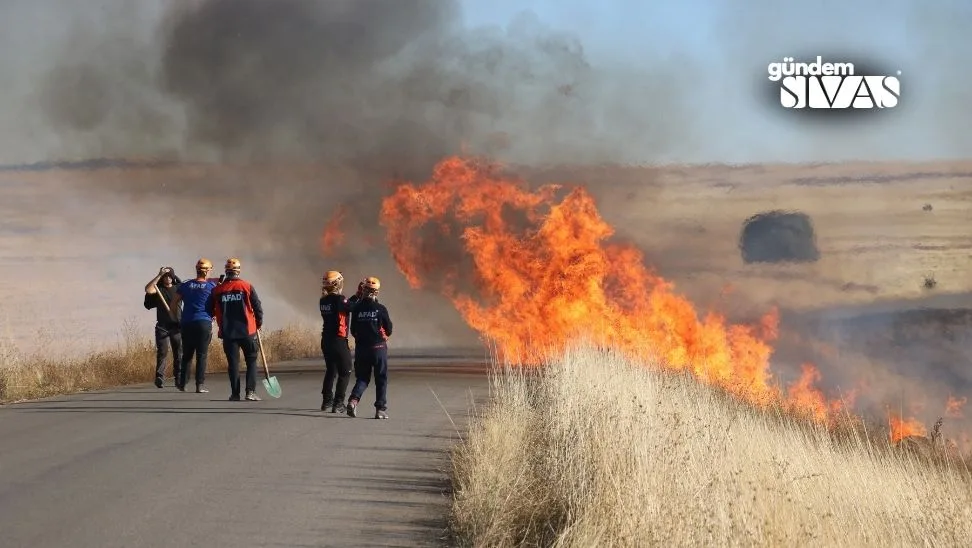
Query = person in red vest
x=239 y=315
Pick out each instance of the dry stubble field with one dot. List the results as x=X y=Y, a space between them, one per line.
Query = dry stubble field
x=74 y=261
x=599 y=451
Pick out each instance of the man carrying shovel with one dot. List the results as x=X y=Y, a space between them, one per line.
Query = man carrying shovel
x=239 y=317
x=159 y=293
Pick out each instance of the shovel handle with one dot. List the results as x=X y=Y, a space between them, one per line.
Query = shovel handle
x=263 y=355
x=158 y=291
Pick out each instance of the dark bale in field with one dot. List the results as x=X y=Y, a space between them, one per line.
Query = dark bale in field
x=777 y=237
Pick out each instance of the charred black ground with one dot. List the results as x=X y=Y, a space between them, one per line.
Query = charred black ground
x=778 y=237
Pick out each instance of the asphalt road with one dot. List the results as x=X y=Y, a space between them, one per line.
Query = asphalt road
x=141 y=466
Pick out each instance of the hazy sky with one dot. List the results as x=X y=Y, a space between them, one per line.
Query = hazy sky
x=628 y=28
x=730 y=42
x=677 y=81
x=622 y=29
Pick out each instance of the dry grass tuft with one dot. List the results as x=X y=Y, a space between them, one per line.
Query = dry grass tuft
x=131 y=361
x=596 y=451
x=294 y=342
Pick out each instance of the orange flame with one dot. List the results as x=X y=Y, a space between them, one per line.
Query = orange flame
x=805 y=399
x=953 y=407
x=333 y=236
x=902 y=428
x=559 y=278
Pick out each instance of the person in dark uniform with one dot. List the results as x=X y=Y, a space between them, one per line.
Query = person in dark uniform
x=160 y=292
x=335 y=314
x=371 y=326
x=239 y=315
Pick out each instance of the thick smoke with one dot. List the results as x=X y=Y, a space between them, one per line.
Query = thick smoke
x=366 y=91
x=344 y=95
x=214 y=80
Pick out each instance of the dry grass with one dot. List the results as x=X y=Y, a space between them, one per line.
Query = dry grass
x=596 y=451
x=42 y=374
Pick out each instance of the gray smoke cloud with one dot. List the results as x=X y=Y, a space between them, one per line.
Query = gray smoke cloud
x=251 y=81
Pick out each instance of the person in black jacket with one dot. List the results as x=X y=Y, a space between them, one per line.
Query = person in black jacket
x=335 y=314
x=371 y=326
x=159 y=294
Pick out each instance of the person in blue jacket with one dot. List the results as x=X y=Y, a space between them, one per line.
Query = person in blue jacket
x=196 y=324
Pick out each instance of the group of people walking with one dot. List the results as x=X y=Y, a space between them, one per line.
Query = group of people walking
x=186 y=310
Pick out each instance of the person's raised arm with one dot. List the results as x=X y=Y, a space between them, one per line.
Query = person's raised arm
x=150 y=287
x=174 y=305
x=211 y=304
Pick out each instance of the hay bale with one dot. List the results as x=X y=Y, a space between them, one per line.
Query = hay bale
x=778 y=237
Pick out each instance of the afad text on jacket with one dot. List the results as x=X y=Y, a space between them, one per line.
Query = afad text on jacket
x=237 y=308
x=370 y=324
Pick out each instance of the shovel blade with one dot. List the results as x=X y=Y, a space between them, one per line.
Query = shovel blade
x=272 y=386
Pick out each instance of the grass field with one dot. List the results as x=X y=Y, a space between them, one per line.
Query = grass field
x=597 y=451
x=38 y=374
x=78 y=275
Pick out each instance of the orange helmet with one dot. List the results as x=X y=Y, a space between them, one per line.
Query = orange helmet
x=333 y=281
x=204 y=264
x=370 y=286
x=233 y=265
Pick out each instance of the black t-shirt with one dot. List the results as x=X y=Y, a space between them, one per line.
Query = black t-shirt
x=334 y=314
x=162 y=317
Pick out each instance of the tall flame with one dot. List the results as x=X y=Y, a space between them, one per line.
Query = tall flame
x=545 y=272
x=333 y=236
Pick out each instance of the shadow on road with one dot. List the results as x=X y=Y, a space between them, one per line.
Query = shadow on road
x=311 y=413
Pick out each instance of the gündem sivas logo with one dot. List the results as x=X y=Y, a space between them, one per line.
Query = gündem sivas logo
x=824 y=85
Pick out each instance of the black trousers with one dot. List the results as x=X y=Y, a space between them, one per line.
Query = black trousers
x=338 y=365
x=196 y=337
x=251 y=352
x=166 y=337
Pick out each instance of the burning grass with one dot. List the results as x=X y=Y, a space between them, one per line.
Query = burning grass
x=132 y=361
x=594 y=450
